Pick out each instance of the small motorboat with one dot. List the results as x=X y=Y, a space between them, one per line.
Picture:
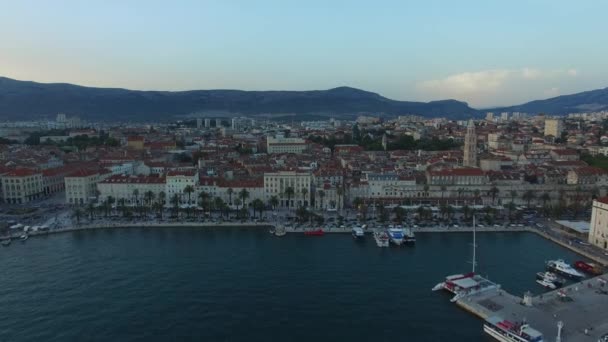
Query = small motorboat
x=551 y=277
x=358 y=233
x=6 y=242
x=280 y=231
x=23 y=237
x=316 y=232
x=546 y=284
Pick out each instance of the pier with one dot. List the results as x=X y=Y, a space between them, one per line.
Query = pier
x=582 y=310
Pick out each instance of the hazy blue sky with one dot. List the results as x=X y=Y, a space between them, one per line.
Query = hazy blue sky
x=485 y=52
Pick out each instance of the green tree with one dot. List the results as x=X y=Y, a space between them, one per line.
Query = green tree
x=289 y=192
x=258 y=205
x=174 y=200
x=188 y=190
x=528 y=196
x=230 y=192
x=77 y=213
x=273 y=201
x=244 y=195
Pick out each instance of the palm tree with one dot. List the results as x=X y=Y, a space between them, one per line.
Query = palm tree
x=513 y=195
x=219 y=204
x=494 y=192
x=304 y=193
x=162 y=196
x=122 y=207
x=149 y=197
x=273 y=201
x=258 y=205
x=158 y=206
x=244 y=195
x=466 y=211
x=189 y=190
x=340 y=193
x=111 y=200
x=175 y=202
x=528 y=196
x=91 y=210
x=237 y=202
x=136 y=195
x=77 y=213
x=400 y=214
x=289 y=192
x=545 y=197
x=204 y=197
x=321 y=194
x=230 y=191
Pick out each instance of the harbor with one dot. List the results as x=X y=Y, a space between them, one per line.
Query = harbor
x=581 y=307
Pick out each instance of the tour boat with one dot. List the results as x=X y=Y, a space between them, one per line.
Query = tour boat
x=316 y=232
x=466 y=284
x=358 y=233
x=381 y=238
x=506 y=331
x=546 y=284
x=563 y=268
x=395 y=235
x=588 y=267
x=552 y=277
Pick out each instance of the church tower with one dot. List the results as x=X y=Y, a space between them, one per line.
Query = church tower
x=470 y=146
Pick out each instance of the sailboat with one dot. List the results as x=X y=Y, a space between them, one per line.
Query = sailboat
x=468 y=283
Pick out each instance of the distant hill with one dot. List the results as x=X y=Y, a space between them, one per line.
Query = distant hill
x=31 y=100
x=588 y=101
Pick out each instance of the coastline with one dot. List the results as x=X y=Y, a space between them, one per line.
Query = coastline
x=268 y=225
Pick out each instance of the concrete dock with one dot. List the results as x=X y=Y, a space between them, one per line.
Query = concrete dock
x=584 y=310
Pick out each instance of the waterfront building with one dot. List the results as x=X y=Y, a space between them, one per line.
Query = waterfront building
x=598 y=233
x=81 y=186
x=21 y=186
x=390 y=185
x=131 y=188
x=470 y=146
x=470 y=176
x=177 y=181
x=275 y=184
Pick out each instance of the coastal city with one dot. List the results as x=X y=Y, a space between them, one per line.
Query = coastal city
x=391 y=178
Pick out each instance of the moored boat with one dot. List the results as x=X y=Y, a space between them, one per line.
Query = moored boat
x=316 y=232
x=561 y=267
x=6 y=242
x=23 y=237
x=588 y=267
x=546 y=284
x=280 y=231
x=506 y=331
x=395 y=235
x=381 y=238
x=552 y=277
x=358 y=233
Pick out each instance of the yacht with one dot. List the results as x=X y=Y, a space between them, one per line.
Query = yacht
x=546 y=284
x=506 y=331
x=358 y=233
x=395 y=235
x=563 y=268
x=381 y=238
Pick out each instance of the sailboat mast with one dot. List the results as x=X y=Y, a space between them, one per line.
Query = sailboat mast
x=474 y=245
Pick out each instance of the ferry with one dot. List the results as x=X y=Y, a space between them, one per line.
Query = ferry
x=506 y=331
x=588 y=267
x=358 y=233
x=462 y=285
x=316 y=232
x=395 y=235
x=552 y=277
x=563 y=268
x=381 y=238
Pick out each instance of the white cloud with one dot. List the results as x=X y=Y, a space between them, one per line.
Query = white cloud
x=496 y=86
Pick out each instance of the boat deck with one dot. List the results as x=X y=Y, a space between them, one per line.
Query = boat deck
x=584 y=308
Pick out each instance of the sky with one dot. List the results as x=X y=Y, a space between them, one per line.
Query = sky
x=484 y=52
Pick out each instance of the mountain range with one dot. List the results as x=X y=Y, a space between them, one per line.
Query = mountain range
x=21 y=100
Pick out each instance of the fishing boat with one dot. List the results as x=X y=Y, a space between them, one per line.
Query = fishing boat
x=316 y=232
x=462 y=285
x=552 y=277
x=563 y=268
x=506 y=331
x=381 y=238
x=588 y=267
x=358 y=233
x=546 y=284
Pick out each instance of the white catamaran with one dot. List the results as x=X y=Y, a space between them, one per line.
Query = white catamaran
x=466 y=284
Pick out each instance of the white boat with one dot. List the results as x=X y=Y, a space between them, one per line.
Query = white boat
x=6 y=242
x=552 y=277
x=466 y=284
x=563 y=268
x=381 y=238
x=358 y=233
x=280 y=231
x=506 y=331
x=409 y=236
x=395 y=235
x=546 y=284
x=23 y=237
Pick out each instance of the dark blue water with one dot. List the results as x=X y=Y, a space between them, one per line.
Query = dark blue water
x=239 y=285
